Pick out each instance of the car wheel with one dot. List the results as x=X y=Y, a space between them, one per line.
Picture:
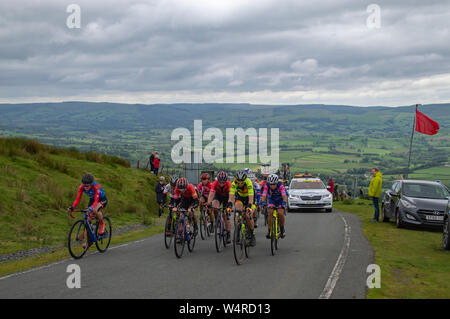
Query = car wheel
x=398 y=219
x=384 y=218
x=446 y=235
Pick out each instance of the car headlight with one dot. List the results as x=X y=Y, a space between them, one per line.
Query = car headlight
x=407 y=205
x=327 y=196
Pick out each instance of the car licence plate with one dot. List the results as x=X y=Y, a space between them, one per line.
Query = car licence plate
x=311 y=202
x=431 y=217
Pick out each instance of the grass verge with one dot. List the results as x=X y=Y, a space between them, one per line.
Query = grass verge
x=412 y=261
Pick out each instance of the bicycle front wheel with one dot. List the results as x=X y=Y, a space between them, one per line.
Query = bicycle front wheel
x=78 y=242
x=273 y=236
x=104 y=240
x=191 y=242
x=238 y=244
x=218 y=235
x=179 y=238
x=168 y=232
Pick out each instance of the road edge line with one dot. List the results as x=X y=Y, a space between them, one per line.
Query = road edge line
x=335 y=273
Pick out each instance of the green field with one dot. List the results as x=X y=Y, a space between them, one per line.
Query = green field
x=412 y=261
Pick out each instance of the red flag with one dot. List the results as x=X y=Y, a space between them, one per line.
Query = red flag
x=425 y=125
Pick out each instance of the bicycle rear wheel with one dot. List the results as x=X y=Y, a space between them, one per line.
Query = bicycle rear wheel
x=179 y=238
x=209 y=225
x=238 y=244
x=104 y=240
x=78 y=236
x=203 y=226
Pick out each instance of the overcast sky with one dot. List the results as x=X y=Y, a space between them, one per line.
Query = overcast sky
x=254 y=51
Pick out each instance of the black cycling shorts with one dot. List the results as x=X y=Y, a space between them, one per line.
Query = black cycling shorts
x=223 y=200
x=186 y=203
x=244 y=200
x=103 y=201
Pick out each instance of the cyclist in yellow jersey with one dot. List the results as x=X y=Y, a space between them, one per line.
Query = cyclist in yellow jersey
x=242 y=194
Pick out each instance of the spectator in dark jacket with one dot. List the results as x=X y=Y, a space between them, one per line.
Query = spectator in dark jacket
x=336 y=193
x=152 y=158
x=160 y=196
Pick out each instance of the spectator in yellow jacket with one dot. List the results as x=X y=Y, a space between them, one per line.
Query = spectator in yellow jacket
x=375 y=192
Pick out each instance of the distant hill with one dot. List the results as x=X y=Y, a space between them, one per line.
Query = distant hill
x=327 y=139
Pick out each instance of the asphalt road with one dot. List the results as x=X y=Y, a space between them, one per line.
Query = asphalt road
x=323 y=254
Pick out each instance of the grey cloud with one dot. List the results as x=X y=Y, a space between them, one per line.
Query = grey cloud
x=215 y=46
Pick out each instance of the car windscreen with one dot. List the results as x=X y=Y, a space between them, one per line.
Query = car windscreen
x=425 y=191
x=307 y=185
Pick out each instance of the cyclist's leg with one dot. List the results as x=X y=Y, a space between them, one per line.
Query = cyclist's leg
x=281 y=216
x=239 y=206
x=201 y=203
x=270 y=209
x=210 y=211
x=216 y=206
x=224 y=202
x=248 y=215
x=98 y=213
x=281 y=220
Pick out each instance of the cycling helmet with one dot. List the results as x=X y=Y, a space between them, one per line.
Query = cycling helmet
x=241 y=176
x=272 y=179
x=247 y=170
x=182 y=183
x=173 y=179
x=222 y=177
x=162 y=178
x=87 y=179
x=205 y=176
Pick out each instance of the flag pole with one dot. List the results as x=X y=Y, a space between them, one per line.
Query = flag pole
x=410 y=143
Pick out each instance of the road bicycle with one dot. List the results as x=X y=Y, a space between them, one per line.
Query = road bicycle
x=184 y=232
x=84 y=234
x=274 y=232
x=169 y=229
x=241 y=238
x=220 y=230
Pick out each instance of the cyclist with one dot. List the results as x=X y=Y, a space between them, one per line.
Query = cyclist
x=219 y=195
x=241 y=194
x=170 y=189
x=97 y=200
x=186 y=198
x=257 y=192
x=160 y=196
x=203 y=191
x=275 y=195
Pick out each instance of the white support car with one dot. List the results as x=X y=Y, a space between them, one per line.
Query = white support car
x=309 y=192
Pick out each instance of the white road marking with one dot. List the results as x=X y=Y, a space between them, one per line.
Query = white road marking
x=334 y=276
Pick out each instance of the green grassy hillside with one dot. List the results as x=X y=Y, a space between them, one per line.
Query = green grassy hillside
x=38 y=183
